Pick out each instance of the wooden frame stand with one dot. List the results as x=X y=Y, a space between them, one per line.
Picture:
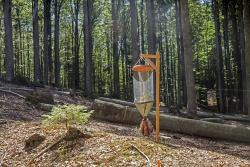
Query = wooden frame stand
x=156 y=67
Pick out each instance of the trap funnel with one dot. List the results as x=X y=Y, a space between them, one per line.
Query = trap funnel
x=144 y=108
x=143 y=84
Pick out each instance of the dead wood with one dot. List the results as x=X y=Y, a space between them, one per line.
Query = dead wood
x=143 y=154
x=12 y=93
x=45 y=107
x=33 y=141
x=109 y=111
x=39 y=96
x=71 y=134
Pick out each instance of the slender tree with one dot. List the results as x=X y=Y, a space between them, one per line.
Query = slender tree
x=236 y=53
x=115 y=8
x=151 y=29
x=242 y=50
x=142 y=25
x=47 y=40
x=227 y=56
x=76 y=44
x=219 y=59
x=134 y=31
x=8 y=40
x=246 y=17
x=37 y=67
x=57 y=41
x=188 y=57
x=88 y=46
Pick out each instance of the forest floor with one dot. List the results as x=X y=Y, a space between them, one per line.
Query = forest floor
x=111 y=144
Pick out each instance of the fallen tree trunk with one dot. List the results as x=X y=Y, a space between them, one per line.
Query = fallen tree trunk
x=45 y=107
x=12 y=93
x=125 y=103
x=110 y=111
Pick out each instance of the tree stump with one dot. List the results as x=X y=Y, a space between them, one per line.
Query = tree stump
x=33 y=141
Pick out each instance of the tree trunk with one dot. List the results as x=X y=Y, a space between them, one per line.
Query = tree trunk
x=88 y=46
x=236 y=53
x=134 y=31
x=188 y=58
x=47 y=40
x=228 y=93
x=242 y=50
x=184 y=85
x=219 y=63
x=8 y=40
x=115 y=7
x=142 y=26
x=76 y=46
x=123 y=112
x=246 y=17
x=19 y=51
x=37 y=67
x=57 y=42
x=151 y=37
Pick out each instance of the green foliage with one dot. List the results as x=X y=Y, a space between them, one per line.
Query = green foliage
x=68 y=114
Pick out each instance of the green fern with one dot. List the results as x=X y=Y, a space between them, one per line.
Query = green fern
x=68 y=114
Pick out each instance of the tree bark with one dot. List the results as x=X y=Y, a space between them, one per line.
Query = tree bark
x=8 y=40
x=228 y=93
x=57 y=63
x=115 y=7
x=36 y=46
x=76 y=46
x=142 y=26
x=246 y=17
x=47 y=40
x=188 y=57
x=88 y=46
x=151 y=37
x=242 y=50
x=124 y=113
x=134 y=31
x=236 y=53
x=219 y=63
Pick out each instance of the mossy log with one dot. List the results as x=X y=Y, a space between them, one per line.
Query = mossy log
x=113 y=112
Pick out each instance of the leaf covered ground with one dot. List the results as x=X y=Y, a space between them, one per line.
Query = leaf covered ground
x=110 y=145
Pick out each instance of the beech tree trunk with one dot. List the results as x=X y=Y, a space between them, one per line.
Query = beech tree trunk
x=242 y=50
x=134 y=31
x=151 y=37
x=36 y=46
x=76 y=46
x=8 y=40
x=228 y=93
x=236 y=53
x=47 y=40
x=88 y=46
x=246 y=17
x=142 y=26
x=115 y=7
x=219 y=63
x=57 y=42
x=188 y=57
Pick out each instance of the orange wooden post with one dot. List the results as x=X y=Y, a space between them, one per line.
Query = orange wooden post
x=158 y=163
x=157 y=104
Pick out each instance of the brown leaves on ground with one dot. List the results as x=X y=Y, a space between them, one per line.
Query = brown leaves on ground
x=110 y=145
